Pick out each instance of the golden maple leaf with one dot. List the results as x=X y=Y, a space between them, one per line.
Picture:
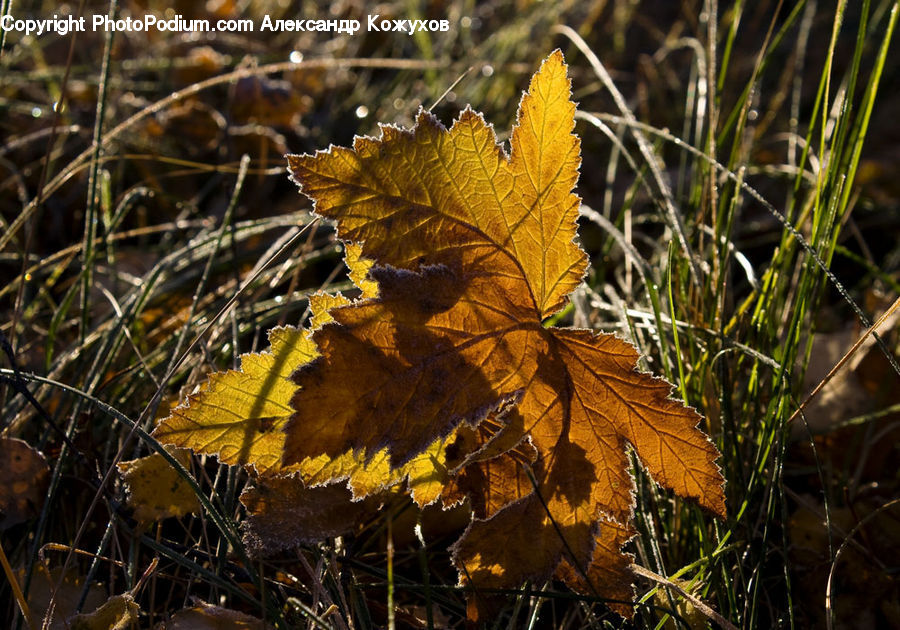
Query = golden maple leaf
x=472 y=250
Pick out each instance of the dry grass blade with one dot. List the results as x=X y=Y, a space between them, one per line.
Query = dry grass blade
x=873 y=329
x=704 y=608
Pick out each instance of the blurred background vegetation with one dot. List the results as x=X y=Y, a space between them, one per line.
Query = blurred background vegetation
x=129 y=224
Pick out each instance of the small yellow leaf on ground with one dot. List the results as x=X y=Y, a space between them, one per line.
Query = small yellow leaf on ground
x=155 y=489
x=118 y=613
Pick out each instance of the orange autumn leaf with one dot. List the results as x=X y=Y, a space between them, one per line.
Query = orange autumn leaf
x=471 y=250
